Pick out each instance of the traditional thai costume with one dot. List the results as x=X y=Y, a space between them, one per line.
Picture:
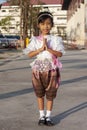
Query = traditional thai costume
x=46 y=66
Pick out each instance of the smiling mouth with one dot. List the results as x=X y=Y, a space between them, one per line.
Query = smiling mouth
x=46 y=30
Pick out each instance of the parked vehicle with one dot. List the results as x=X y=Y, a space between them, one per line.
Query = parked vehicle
x=9 y=41
x=4 y=43
x=12 y=43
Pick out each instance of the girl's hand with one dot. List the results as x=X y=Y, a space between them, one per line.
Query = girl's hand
x=44 y=47
x=45 y=43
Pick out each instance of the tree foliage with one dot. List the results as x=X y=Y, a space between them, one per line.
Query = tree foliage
x=5 y=21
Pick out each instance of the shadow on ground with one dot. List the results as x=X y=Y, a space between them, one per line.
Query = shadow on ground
x=69 y=112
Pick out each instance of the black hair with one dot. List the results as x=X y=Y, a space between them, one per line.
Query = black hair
x=42 y=16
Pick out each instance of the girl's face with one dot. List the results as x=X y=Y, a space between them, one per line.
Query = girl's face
x=45 y=26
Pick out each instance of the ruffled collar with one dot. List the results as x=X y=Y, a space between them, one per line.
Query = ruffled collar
x=40 y=37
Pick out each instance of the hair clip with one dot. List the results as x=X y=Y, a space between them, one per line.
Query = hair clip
x=45 y=14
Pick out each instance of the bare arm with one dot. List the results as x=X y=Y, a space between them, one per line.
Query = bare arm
x=34 y=53
x=56 y=53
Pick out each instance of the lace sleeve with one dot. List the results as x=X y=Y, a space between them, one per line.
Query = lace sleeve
x=59 y=45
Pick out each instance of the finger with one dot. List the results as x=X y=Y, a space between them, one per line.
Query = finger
x=45 y=40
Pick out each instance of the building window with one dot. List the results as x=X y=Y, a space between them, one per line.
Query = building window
x=11 y=27
x=11 y=10
x=3 y=27
x=3 y=10
x=13 y=19
x=61 y=18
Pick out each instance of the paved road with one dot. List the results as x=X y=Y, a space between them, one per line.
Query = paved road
x=18 y=106
x=7 y=55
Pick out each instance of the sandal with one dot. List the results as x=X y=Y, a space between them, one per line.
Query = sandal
x=48 y=121
x=41 y=121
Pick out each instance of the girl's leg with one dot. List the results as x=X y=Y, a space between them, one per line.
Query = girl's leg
x=48 y=113
x=49 y=107
x=40 y=103
x=41 y=106
x=41 y=110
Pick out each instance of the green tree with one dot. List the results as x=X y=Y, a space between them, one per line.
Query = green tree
x=5 y=23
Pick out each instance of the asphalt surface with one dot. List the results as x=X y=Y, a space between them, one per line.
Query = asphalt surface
x=18 y=105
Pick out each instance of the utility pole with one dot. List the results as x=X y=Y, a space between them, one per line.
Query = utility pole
x=21 y=22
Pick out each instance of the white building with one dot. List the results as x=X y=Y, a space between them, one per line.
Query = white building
x=76 y=21
x=60 y=19
x=14 y=13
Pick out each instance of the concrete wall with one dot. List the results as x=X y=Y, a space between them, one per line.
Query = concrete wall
x=76 y=25
x=86 y=23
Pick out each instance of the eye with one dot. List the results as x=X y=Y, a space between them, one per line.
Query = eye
x=42 y=23
x=49 y=23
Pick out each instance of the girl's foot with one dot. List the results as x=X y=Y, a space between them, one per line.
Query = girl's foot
x=48 y=121
x=41 y=121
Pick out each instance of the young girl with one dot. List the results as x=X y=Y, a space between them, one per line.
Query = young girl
x=45 y=68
